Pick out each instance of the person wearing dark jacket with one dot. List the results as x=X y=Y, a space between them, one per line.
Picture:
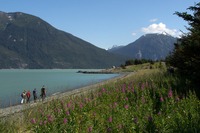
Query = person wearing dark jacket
x=43 y=93
x=35 y=95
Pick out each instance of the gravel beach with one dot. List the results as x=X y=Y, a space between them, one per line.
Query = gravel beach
x=4 y=112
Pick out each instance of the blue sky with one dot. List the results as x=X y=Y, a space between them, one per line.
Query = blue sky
x=105 y=23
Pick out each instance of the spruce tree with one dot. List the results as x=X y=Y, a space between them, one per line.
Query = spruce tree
x=186 y=55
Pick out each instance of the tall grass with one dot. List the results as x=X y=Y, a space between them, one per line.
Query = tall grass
x=146 y=102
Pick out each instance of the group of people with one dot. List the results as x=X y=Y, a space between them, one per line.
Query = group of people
x=27 y=95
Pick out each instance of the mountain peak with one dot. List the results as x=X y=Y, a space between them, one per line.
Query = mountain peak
x=26 y=41
x=149 y=46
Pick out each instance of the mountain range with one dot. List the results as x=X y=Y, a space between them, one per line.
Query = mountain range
x=149 y=46
x=26 y=41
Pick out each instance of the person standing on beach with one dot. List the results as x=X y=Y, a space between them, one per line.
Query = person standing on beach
x=35 y=95
x=28 y=95
x=43 y=93
x=23 y=95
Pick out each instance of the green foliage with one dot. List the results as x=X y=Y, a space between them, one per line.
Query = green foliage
x=186 y=57
x=138 y=61
x=10 y=126
x=147 y=103
x=129 y=62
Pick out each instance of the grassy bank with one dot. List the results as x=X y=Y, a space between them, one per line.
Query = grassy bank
x=144 y=102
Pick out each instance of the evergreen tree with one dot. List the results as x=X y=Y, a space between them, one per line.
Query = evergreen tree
x=186 y=55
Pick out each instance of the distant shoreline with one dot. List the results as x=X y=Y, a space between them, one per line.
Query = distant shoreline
x=59 y=95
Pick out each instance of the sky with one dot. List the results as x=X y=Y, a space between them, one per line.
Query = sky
x=105 y=23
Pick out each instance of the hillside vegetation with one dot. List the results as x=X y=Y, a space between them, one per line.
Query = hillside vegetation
x=147 y=101
x=29 y=42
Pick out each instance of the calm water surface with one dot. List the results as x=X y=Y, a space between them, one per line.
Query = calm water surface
x=14 y=81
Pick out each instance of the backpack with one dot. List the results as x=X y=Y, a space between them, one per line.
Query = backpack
x=22 y=95
x=43 y=90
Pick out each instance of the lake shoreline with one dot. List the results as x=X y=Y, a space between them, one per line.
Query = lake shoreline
x=59 y=95
x=15 y=81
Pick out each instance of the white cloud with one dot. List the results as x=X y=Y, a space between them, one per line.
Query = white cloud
x=153 y=20
x=161 y=28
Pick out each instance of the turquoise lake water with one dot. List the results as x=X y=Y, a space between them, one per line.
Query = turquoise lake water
x=14 y=81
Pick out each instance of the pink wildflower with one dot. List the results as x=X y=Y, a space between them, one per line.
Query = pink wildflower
x=45 y=122
x=65 y=120
x=159 y=113
x=68 y=105
x=81 y=105
x=133 y=89
x=142 y=86
x=103 y=89
x=33 y=121
x=115 y=104
x=50 y=118
x=67 y=112
x=110 y=119
x=123 y=90
x=86 y=100
x=161 y=99
x=90 y=129
x=126 y=106
x=170 y=93
x=129 y=87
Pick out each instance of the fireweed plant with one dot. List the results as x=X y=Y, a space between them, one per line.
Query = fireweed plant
x=143 y=103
